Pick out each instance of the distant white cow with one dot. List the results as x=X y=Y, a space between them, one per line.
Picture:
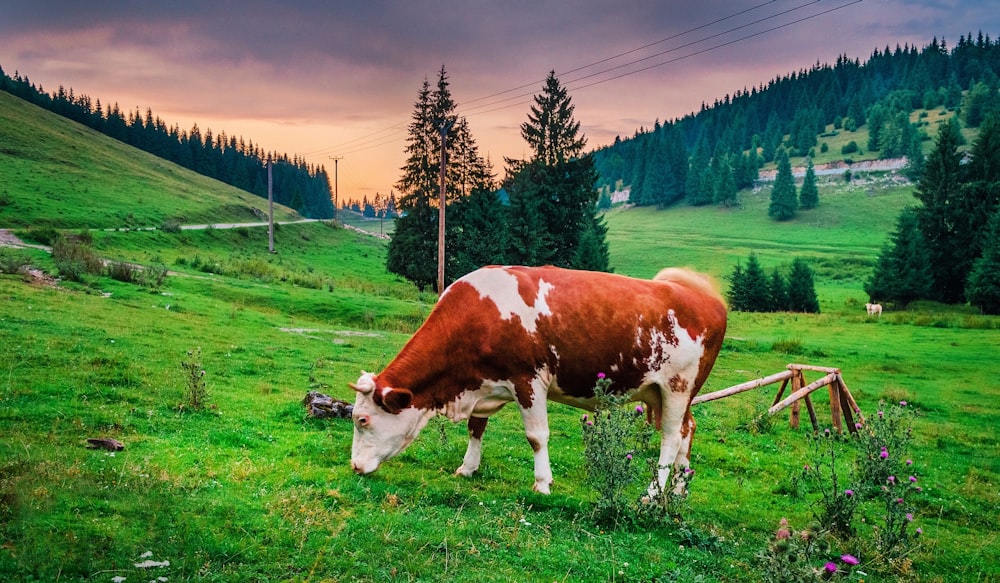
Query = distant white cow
x=874 y=309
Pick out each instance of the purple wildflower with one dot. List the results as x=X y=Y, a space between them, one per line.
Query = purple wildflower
x=920 y=530
x=584 y=418
x=899 y=500
x=880 y=413
x=830 y=567
x=919 y=489
x=638 y=409
x=848 y=493
x=600 y=375
x=913 y=479
x=628 y=457
x=884 y=454
x=892 y=479
x=849 y=559
x=909 y=462
x=909 y=517
x=857 y=425
x=902 y=403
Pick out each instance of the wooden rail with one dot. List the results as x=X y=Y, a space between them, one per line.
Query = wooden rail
x=843 y=407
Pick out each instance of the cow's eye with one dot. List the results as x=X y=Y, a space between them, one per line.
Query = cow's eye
x=361 y=421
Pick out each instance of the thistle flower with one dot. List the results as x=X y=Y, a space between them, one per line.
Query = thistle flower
x=884 y=454
x=849 y=559
x=909 y=462
x=848 y=493
x=638 y=409
x=909 y=517
x=892 y=479
x=830 y=567
x=600 y=375
x=902 y=403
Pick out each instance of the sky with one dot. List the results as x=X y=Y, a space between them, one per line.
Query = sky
x=336 y=79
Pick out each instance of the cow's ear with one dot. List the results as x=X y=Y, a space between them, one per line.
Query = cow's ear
x=395 y=400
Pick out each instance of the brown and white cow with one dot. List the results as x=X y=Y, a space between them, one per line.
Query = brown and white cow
x=874 y=309
x=525 y=335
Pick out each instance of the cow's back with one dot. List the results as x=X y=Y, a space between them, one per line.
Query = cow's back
x=516 y=321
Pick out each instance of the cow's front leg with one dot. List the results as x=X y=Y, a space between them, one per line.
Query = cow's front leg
x=474 y=453
x=536 y=427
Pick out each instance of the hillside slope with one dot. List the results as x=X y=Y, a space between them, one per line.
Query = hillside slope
x=57 y=173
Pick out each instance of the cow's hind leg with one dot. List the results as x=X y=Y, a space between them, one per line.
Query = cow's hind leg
x=675 y=440
x=682 y=463
x=474 y=453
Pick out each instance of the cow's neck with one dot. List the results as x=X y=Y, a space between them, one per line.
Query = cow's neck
x=430 y=371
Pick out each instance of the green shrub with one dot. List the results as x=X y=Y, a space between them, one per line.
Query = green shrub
x=75 y=260
x=613 y=437
x=13 y=260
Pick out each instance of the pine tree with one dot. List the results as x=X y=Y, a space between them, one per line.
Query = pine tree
x=748 y=290
x=412 y=250
x=809 y=193
x=553 y=195
x=983 y=289
x=903 y=271
x=942 y=216
x=777 y=289
x=801 y=288
x=481 y=234
x=737 y=289
x=784 y=200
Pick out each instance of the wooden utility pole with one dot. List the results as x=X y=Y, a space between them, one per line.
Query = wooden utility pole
x=270 y=207
x=445 y=126
x=335 y=201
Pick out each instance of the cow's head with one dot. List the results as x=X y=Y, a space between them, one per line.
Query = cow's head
x=384 y=423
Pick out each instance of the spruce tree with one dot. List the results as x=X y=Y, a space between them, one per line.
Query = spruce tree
x=784 y=200
x=756 y=295
x=983 y=289
x=553 y=195
x=942 y=216
x=903 y=271
x=777 y=289
x=801 y=288
x=737 y=289
x=809 y=193
x=412 y=250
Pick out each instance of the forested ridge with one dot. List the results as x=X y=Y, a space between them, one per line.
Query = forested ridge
x=736 y=134
x=229 y=159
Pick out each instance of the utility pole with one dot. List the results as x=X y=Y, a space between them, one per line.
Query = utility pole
x=335 y=201
x=445 y=126
x=270 y=207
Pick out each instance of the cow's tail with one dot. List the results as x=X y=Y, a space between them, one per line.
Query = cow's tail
x=692 y=279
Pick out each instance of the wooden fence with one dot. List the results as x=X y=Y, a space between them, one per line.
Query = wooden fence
x=843 y=407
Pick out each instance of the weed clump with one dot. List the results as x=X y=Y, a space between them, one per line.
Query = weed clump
x=196 y=394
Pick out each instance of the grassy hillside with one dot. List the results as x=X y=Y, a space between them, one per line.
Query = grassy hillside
x=57 y=173
x=250 y=489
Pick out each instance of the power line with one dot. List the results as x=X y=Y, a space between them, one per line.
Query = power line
x=376 y=139
x=661 y=53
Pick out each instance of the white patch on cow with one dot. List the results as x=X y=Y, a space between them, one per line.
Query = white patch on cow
x=685 y=356
x=500 y=286
x=482 y=402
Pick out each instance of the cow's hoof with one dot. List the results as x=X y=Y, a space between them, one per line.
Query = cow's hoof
x=465 y=471
x=543 y=486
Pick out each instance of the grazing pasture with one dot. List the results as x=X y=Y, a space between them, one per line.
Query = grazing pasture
x=250 y=489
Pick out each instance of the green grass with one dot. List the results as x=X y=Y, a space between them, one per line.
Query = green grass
x=250 y=489
x=58 y=173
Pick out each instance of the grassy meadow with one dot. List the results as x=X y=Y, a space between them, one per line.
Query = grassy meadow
x=250 y=489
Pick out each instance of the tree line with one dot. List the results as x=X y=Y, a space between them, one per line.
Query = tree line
x=544 y=211
x=706 y=157
x=752 y=290
x=229 y=159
